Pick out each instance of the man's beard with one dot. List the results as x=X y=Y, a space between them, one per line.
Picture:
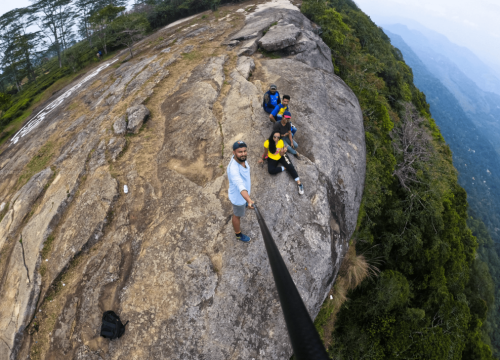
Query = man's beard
x=242 y=159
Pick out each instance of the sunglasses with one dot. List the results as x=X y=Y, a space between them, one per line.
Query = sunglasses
x=276 y=137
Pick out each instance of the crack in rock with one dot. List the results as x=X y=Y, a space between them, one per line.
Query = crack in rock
x=24 y=260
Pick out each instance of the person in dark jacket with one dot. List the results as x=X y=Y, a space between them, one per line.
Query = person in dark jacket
x=285 y=129
x=271 y=99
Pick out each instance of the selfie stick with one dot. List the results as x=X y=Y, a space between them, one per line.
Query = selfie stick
x=305 y=340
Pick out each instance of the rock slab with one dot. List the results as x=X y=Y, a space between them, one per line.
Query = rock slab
x=120 y=125
x=279 y=37
x=286 y=31
x=249 y=47
x=245 y=65
x=22 y=203
x=136 y=116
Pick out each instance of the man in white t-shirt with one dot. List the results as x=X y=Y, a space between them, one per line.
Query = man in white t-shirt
x=238 y=173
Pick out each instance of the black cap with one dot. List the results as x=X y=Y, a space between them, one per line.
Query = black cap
x=273 y=87
x=239 y=144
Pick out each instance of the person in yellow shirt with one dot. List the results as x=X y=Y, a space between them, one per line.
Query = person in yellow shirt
x=280 y=109
x=278 y=160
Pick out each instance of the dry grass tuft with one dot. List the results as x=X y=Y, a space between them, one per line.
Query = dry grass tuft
x=354 y=269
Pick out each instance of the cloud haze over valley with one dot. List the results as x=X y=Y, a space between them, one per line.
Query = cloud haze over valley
x=473 y=24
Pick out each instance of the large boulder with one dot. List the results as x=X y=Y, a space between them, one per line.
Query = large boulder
x=279 y=37
x=285 y=30
x=136 y=115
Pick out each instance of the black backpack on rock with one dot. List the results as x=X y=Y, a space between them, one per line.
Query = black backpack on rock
x=112 y=327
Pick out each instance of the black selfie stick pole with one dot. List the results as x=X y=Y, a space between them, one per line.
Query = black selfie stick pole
x=305 y=340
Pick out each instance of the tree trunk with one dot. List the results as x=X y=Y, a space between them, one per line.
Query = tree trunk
x=89 y=38
x=58 y=49
x=29 y=68
x=19 y=88
x=58 y=44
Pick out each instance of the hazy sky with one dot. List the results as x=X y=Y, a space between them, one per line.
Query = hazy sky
x=10 y=5
x=473 y=24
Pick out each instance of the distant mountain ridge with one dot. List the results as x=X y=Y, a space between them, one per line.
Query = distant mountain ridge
x=482 y=107
x=473 y=155
x=418 y=36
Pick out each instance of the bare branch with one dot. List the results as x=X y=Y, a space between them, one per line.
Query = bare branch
x=411 y=146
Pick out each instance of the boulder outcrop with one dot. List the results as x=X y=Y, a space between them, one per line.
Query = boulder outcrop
x=279 y=37
x=136 y=115
x=287 y=31
x=245 y=66
x=120 y=125
x=163 y=255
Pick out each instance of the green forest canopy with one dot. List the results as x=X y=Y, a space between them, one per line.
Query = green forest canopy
x=434 y=297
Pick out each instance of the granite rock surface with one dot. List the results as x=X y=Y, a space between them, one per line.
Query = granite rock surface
x=163 y=254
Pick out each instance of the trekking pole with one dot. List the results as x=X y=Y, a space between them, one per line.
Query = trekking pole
x=305 y=340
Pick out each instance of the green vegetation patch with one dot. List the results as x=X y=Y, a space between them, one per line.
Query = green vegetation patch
x=193 y=55
x=270 y=54
x=39 y=162
x=47 y=246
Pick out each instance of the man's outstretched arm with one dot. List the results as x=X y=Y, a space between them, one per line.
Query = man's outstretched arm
x=245 y=195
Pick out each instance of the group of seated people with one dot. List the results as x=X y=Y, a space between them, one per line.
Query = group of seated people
x=281 y=141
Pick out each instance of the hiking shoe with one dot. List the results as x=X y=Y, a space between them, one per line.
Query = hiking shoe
x=301 y=189
x=297 y=155
x=243 y=237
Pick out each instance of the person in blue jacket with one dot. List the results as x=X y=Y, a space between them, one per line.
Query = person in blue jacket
x=279 y=110
x=271 y=99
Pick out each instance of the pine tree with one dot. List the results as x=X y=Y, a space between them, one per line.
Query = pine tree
x=85 y=9
x=56 y=19
x=101 y=24
x=18 y=44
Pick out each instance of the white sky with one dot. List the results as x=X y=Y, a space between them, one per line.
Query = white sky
x=6 y=5
x=473 y=24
